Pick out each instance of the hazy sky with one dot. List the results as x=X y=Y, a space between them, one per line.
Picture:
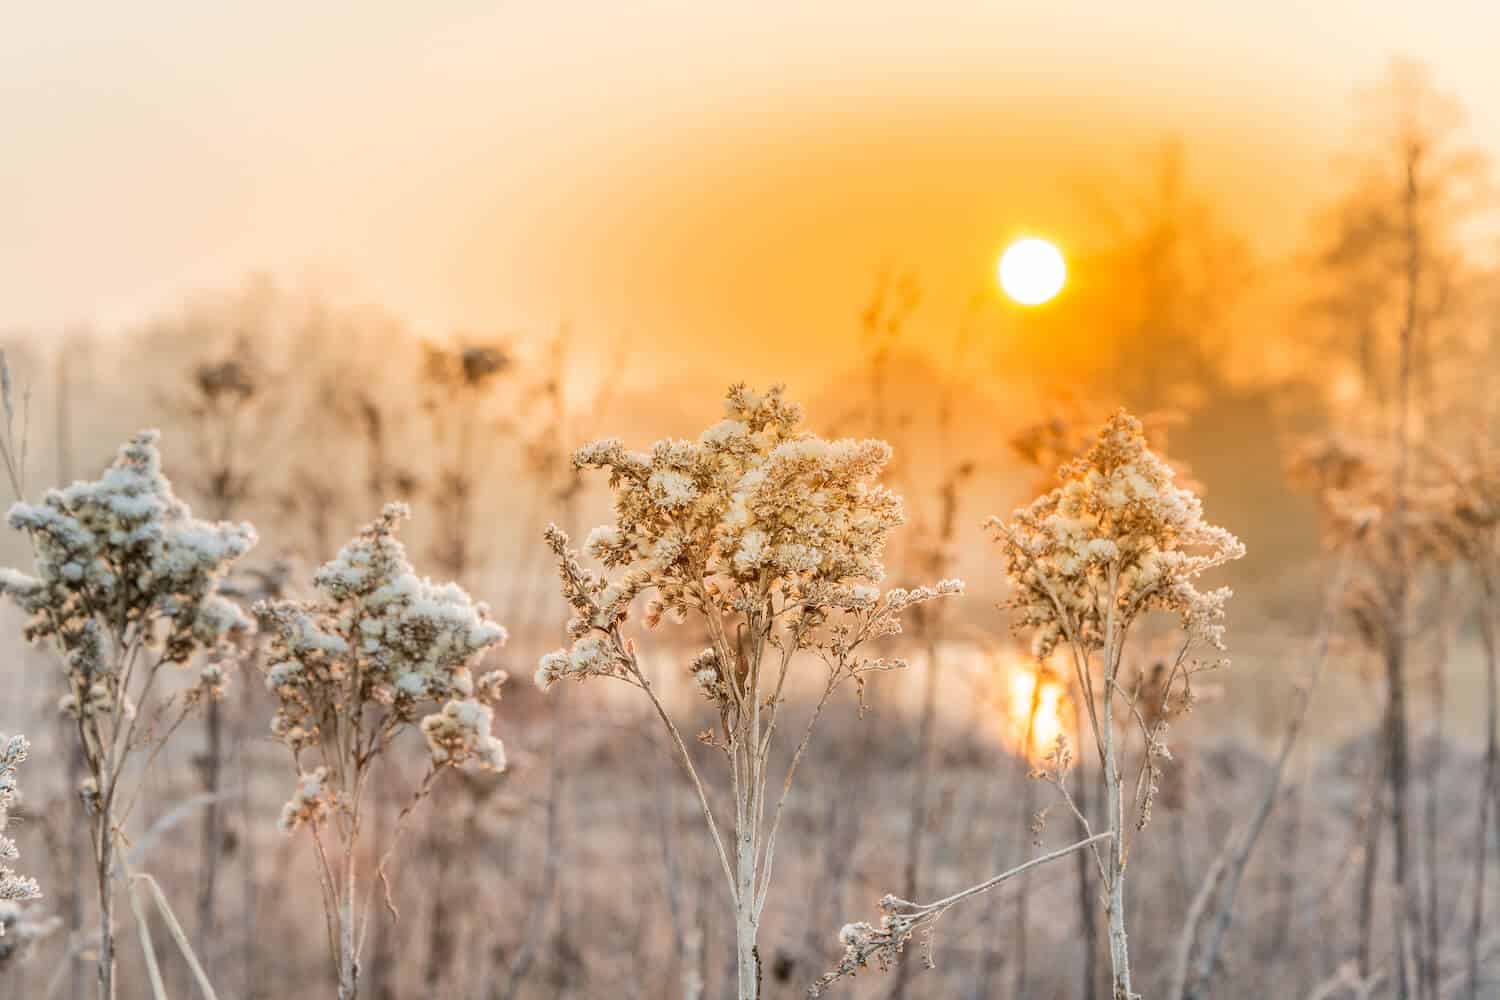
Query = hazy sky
x=659 y=171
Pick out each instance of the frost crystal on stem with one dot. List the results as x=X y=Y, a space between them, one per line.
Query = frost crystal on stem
x=772 y=540
x=379 y=651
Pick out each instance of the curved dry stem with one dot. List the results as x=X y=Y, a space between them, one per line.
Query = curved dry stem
x=883 y=945
x=684 y=756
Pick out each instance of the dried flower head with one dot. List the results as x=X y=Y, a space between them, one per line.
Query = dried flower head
x=125 y=556
x=1448 y=511
x=309 y=802
x=1117 y=536
x=377 y=648
x=865 y=945
x=752 y=512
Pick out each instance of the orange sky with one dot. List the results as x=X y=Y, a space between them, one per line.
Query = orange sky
x=722 y=182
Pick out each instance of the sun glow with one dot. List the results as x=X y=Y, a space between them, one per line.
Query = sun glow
x=1032 y=271
x=1035 y=716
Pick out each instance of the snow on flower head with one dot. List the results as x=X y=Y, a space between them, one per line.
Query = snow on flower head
x=377 y=642
x=120 y=561
x=461 y=732
x=602 y=541
x=125 y=542
x=591 y=656
x=672 y=490
x=309 y=802
x=755 y=509
x=1118 y=516
x=726 y=435
x=765 y=499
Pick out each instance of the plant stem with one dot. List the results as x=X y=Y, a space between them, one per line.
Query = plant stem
x=348 y=963
x=1487 y=782
x=918 y=822
x=213 y=826
x=1088 y=916
x=745 y=917
x=104 y=867
x=1119 y=945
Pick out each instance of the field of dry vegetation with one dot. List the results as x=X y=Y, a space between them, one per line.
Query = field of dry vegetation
x=399 y=665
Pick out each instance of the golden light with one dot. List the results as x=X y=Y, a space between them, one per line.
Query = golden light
x=1032 y=271
x=1035 y=716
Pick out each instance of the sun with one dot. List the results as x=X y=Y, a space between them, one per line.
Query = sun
x=1035 y=717
x=1032 y=271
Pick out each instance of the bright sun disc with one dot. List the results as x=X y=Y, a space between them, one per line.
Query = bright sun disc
x=1032 y=271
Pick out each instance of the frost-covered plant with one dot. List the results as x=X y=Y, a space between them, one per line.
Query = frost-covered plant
x=1116 y=540
x=773 y=540
x=125 y=585
x=14 y=888
x=18 y=928
x=1408 y=519
x=377 y=652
